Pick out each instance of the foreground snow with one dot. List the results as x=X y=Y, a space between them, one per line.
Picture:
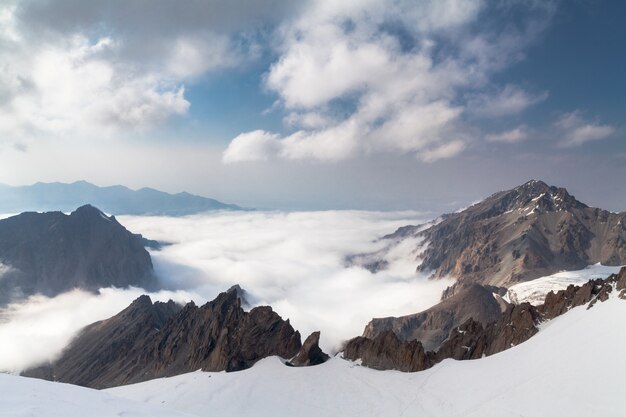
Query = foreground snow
x=535 y=291
x=26 y=397
x=573 y=367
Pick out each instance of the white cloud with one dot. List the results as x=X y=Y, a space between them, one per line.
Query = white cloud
x=515 y=135
x=251 y=146
x=446 y=150
x=60 y=75
x=190 y=57
x=576 y=131
x=36 y=330
x=294 y=262
x=71 y=84
x=508 y=101
x=353 y=87
x=310 y=120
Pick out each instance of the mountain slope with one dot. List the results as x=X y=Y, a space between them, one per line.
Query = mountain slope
x=431 y=327
x=115 y=199
x=513 y=236
x=50 y=253
x=148 y=341
x=472 y=340
x=570 y=368
x=100 y=351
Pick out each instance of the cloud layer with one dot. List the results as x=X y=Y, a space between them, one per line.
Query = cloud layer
x=294 y=262
x=36 y=331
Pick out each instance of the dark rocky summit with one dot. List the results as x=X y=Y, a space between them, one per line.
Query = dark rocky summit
x=530 y=231
x=50 y=253
x=310 y=353
x=473 y=340
x=100 y=351
x=431 y=327
x=147 y=341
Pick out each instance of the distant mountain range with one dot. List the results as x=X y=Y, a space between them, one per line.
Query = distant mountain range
x=115 y=199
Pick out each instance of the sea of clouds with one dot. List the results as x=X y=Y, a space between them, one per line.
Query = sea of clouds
x=293 y=261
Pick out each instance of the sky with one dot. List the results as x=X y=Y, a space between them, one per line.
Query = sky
x=317 y=104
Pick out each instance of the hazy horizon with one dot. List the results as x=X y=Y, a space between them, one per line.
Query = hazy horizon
x=434 y=208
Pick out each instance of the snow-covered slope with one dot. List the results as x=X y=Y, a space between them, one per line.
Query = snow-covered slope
x=535 y=291
x=27 y=397
x=572 y=367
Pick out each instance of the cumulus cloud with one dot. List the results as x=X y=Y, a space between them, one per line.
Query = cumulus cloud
x=73 y=83
x=576 y=131
x=405 y=88
x=509 y=100
x=252 y=146
x=518 y=134
x=72 y=67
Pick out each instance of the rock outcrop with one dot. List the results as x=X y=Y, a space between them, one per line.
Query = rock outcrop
x=50 y=253
x=147 y=341
x=98 y=357
x=431 y=327
x=310 y=353
x=530 y=231
x=472 y=340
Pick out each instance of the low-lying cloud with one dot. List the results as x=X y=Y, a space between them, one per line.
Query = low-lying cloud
x=35 y=331
x=295 y=262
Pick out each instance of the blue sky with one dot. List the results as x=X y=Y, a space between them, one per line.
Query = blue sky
x=378 y=104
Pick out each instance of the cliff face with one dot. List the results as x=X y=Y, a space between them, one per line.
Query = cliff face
x=50 y=253
x=431 y=327
x=472 y=340
x=530 y=231
x=147 y=341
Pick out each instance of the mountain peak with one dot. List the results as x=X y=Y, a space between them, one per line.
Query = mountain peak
x=532 y=197
x=524 y=233
x=52 y=252
x=534 y=185
x=90 y=211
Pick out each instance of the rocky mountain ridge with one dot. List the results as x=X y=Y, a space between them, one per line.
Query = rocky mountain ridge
x=517 y=235
x=50 y=253
x=472 y=340
x=147 y=341
x=431 y=327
